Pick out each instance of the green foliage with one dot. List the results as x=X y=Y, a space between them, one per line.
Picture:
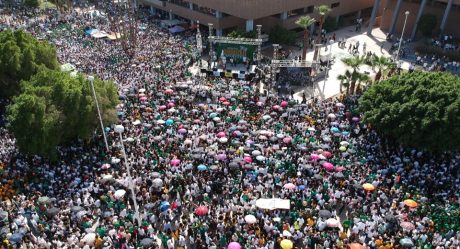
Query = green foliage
x=32 y=3
x=239 y=33
x=323 y=9
x=305 y=21
x=420 y=109
x=55 y=108
x=281 y=35
x=330 y=24
x=427 y=24
x=21 y=56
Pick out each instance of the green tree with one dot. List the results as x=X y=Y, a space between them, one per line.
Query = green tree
x=239 y=33
x=420 y=110
x=21 y=56
x=354 y=62
x=323 y=10
x=281 y=35
x=330 y=24
x=382 y=63
x=32 y=3
x=305 y=22
x=427 y=24
x=55 y=108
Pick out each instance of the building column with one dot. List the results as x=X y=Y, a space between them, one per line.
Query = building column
x=358 y=14
x=219 y=32
x=419 y=14
x=284 y=15
x=395 y=16
x=190 y=6
x=446 y=15
x=373 y=16
x=249 y=25
x=153 y=11
x=170 y=15
x=218 y=14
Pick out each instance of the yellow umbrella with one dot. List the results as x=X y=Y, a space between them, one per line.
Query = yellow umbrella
x=286 y=244
x=410 y=203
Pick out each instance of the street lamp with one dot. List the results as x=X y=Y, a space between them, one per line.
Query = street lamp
x=402 y=35
x=91 y=80
x=120 y=129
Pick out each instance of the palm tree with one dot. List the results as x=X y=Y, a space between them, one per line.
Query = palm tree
x=360 y=77
x=323 y=10
x=382 y=63
x=344 y=81
x=305 y=22
x=354 y=63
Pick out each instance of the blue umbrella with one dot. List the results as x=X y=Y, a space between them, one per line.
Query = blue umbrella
x=164 y=206
x=16 y=237
x=335 y=130
x=345 y=133
x=301 y=187
x=169 y=122
x=202 y=167
x=213 y=115
x=107 y=129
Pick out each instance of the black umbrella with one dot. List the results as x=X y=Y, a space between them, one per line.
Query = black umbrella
x=325 y=213
x=50 y=212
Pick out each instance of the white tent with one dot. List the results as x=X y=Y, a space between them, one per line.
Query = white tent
x=273 y=203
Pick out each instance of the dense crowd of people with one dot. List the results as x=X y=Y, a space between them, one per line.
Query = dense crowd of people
x=205 y=152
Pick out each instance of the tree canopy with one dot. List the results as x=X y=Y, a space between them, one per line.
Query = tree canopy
x=420 y=109
x=21 y=56
x=55 y=108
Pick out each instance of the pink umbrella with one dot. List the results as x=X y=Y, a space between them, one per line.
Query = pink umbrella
x=201 y=211
x=328 y=166
x=226 y=103
x=222 y=99
x=276 y=107
x=355 y=119
x=327 y=154
x=182 y=131
x=175 y=162
x=169 y=91
x=221 y=157
x=105 y=166
x=221 y=134
x=287 y=140
x=234 y=245
x=196 y=121
x=162 y=107
x=407 y=225
x=289 y=186
x=143 y=98
x=247 y=159
x=259 y=103
x=284 y=103
x=340 y=169
x=314 y=157
x=171 y=105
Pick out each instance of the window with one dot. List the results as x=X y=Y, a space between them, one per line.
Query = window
x=335 y=5
x=309 y=9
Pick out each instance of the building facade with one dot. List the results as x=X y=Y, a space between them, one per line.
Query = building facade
x=246 y=14
x=389 y=15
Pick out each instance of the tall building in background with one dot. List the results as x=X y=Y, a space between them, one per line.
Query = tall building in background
x=226 y=15
x=390 y=15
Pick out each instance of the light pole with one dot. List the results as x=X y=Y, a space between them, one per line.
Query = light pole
x=120 y=129
x=91 y=81
x=402 y=35
x=329 y=58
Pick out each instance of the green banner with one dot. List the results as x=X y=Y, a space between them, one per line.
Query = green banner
x=235 y=51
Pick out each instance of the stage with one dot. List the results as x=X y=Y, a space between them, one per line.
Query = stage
x=237 y=71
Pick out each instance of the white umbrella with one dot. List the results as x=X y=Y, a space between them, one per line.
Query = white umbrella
x=286 y=233
x=89 y=238
x=107 y=178
x=344 y=143
x=260 y=158
x=250 y=219
x=157 y=182
x=119 y=193
x=223 y=140
x=256 y=153
x=331 y=222
x=115 y=160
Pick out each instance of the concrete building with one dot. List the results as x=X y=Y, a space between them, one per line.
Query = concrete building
x=246 y=14
x=389 y=16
